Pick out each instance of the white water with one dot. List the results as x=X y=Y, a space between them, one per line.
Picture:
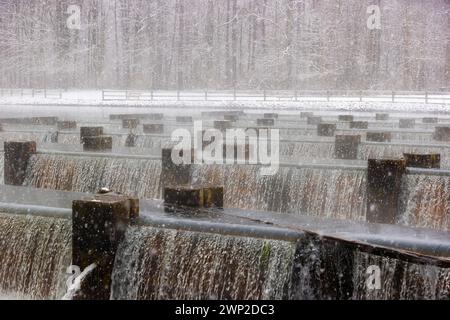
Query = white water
x=425 y=201
x=155 y=263
x=88 y=174
x=34 y=254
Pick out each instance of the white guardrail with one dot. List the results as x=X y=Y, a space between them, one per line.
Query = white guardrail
x=276 y=95
x=433 y=97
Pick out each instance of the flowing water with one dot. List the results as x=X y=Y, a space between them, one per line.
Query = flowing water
x=400 y=279
x=34 y=254
x=307 y=150
x=39 y=137
x=321 y=192
x=134 y=177
x=157 y=263
x=74 y=138
x=330 y=270
x=425 y=201
x=332 y=193
x=168 y=264
x=148 y=141
x=2 y=164
x=372 y=151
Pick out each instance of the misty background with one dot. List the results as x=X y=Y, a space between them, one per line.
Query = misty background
x=220 y=44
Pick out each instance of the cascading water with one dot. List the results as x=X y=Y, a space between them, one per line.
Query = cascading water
x=2 y=164
x=68 y=138
x=330 y=193
x=135 y=177
x=332 y=270
x=74 y=138
x=34 y=255
x=413 y=136
x=154 y=263
x=148 y=141
x=425 y=201
x=39 y=137
x=321 y=192
x=400 y=279
x=377 y=151
x=307 y=150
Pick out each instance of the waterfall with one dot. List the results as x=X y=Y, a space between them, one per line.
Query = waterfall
x=34 y=254
x=332 y=193
x=154 y=263
x=307 y=150
x=367 y=151
x=425 y=201
x=327 y=269
x=400 y=279
x=68 y=138
x=149 y=142
x=39 y=137
x=74 y=138
x=134 y=177
x=2 y=166
x=413 y=136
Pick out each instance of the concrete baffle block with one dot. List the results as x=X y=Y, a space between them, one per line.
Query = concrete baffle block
x=346 y=146
x=222 y=125
x=313 y=120
x=66 y=125
x=430 y=120
x=155 y=116
x=131 y=140
x=382 y=116
x=306 y=114
x=98 y=226
x=183 y=119
x=345 y=117
x=378 y=136
x=406 y=123
x=442 y=133
x=153 y=128
x=97 y=143
x=231 y=117
x=384 y=177
x=359 y=125
x=174 y=174
x=427 y=161
x=270 y=115
x=90 y=132
x=17 y=156
x=182 y=198
x=46 y=121
x=326 y=129
x=265 y=122
x=130 y=123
